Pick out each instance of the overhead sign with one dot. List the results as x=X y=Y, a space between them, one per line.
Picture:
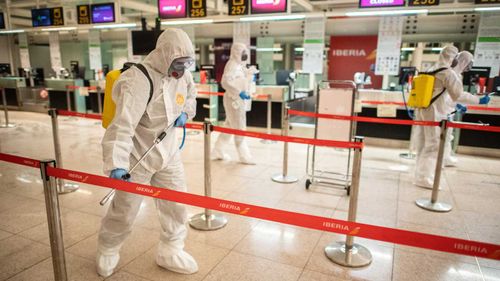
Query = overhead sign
x=423 y=3
x=102 y=13
x=171 y=9
x=47 y=17
x=197 y=8
x=380 y=3
x=83 y=14
x=268 y=6
x=237 y=7
x=487 y=1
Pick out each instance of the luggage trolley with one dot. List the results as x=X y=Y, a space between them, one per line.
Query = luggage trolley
x=339 y=100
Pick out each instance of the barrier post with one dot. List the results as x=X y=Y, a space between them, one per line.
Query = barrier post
x=68 y=99
x=54 y=222
x=349 y=253
x=6 y=111
x=269 y=119
x=284 y=177
x=63 y=187
x=208 y=220
x=433 y=204
x=99 y=102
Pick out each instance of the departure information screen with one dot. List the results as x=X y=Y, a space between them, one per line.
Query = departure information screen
x=268 y=6
x=171 y=9
x=380 y=3
x=103 y=13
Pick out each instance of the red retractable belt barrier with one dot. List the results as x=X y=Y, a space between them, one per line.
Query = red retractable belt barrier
x=194 y=126
x=495 y=129
x=318 y=142
x=78 y=114
x=471 y=107
x=403 y=237
x=485 y=108
x=20 y=160
x=364 y=119
x=220 y=94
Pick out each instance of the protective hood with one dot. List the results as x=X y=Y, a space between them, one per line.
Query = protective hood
x=237 y=50
x=173 y=43
x=464 y=59
x=446 y=56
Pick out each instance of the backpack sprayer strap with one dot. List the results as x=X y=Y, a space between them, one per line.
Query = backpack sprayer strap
x=146 y=73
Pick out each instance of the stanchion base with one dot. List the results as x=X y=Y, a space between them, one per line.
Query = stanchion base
x=10 y=125
x=200 y=222
x=193 y=133
x=409 y=156
x=357 y=256
x=284 y=179
x=426 y=204
x=67 y=187
x=267 y=141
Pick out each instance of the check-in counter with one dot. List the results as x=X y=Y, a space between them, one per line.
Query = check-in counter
x=257 y=117
x=60 y=89
x=207 y=106
x=403 y=132
x=12 y=93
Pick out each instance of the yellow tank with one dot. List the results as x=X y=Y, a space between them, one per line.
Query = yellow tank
x=108 y=112
x=421 y=92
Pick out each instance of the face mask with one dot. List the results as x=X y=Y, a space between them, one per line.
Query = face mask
x=468 y=67
x=454 y=62
x=179 y=66
x=244 y=57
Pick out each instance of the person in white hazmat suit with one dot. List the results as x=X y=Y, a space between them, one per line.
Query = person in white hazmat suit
x=464 y=64
x=236 y=81
x=427 y=137
x=135 y=126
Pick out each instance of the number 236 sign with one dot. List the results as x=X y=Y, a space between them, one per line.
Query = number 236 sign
x=423 y=2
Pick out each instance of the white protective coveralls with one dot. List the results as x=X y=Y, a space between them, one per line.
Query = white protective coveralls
x=133 y=130
x=236 y=78
x=427 y=137
x=464 y=60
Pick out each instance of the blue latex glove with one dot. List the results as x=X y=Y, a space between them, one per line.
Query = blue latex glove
x=181 y=120
x=484 y=100
x=461 y=108
x=244 y=95
x=118 y=174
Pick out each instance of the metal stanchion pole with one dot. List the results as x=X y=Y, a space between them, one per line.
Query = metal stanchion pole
x=6 y=112
x=68 y=99
x=269 y=118
x=433 y=204
x=54 y=222
x=284 y=177
x=207 y=220
x=409 y=155
x=349 y=253
x=63 y=187
x=99 y=102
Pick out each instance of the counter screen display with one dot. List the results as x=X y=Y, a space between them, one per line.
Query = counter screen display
x=197 y=8
x=268 y=6
x=2 y=21
x=171 y=9
x=237 y=7
x=83 y=14
x=380 y=3
x=40 y=17
x=103 y=13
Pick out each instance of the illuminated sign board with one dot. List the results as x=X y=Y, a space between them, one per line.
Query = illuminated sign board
x=487 y=1
x=47 y=17
x=197 y=8
x=102 y=13
x=171 y=9
x=237 y=7
x=423 y=2
x=380 y=3
x=83 y=14
x=268 y=6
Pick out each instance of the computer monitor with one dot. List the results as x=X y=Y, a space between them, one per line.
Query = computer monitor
x=5 y=69
x=496 y=84
x=405 y=72
x=472 y=76
x=282 y=76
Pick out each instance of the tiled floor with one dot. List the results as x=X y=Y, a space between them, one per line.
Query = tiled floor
x=246 y=249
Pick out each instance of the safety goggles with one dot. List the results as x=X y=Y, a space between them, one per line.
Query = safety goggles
x=182 y=63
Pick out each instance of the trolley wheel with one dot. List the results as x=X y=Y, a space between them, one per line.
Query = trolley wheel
x=308 y=183
x=348 y=189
